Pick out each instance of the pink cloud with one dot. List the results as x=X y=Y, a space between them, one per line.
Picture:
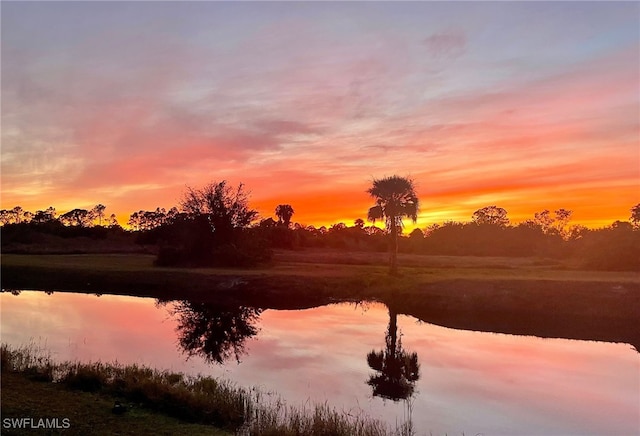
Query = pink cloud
x=447 y=43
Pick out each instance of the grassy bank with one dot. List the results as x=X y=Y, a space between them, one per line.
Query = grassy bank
x=331 y=273
x=521 y=296
x=156 y=402
x=88 y=413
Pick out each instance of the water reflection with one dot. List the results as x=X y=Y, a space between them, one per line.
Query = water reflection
x=470 y=382
x=214 y=332
x=397 y=370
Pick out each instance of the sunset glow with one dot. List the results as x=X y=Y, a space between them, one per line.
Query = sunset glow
x=478 y=380
x=525 y=105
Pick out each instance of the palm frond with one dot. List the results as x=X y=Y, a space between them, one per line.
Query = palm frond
x=410 y=210
x=395 y=199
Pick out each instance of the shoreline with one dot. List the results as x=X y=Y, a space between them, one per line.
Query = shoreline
x=523 y=299
x=110 y=398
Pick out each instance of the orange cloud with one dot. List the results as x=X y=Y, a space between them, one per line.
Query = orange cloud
x=310 y=120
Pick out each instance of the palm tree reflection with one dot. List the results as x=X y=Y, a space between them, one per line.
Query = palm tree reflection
x=214 y=332
x=396 y=369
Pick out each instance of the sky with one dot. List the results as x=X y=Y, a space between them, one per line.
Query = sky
x=523 y=105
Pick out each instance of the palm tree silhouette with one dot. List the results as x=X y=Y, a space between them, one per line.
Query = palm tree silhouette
x=397 y=370
x=395 y=199
x=284 y=212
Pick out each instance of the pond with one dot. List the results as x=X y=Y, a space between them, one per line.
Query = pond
x=354 y=357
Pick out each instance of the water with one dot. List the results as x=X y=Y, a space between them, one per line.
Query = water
x=469 y=382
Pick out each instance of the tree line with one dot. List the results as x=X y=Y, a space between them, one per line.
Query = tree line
x=74 y=217
x=215 y=225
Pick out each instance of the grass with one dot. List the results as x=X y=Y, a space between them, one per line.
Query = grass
x=323 y=275
x=88 y=413
x=97 y=262
x=324 y=263
x=158 y=402
x=78 y=395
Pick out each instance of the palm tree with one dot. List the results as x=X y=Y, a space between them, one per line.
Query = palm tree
x=284 y=212
x=397 y=370
x=395 y=199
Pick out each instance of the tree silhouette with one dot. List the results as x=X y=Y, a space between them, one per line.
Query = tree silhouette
x=395 y=199
x=562 y=219
x=113 y=221
x=98 y=212
x=493 y=215
x=43 y=216
x=635 y=215
x=416 y=234
x=214 y=332
x=397 y=370
x=18 y=214
x=268 y=223
x=5 y=217
x=222 y=206
x=543 y=220
x=151 y=219
x=284 y=212
x=77 y=217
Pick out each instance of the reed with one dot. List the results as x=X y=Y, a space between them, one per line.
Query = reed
x=195 y=399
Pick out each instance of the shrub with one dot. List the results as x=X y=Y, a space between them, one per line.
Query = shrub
x=84 y=378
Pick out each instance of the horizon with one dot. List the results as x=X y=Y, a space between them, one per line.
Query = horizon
x=407 y=225
x=526 y=106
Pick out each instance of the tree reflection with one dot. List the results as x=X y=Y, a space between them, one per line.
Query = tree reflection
x=214 y=332
x=397 y=370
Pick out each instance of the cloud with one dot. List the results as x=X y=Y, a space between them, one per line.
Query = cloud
x=310 y=107
x=446 y=44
